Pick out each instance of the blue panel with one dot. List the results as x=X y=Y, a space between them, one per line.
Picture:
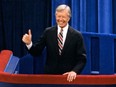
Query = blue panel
x=26 y=65
x=45 y=85
x=87 y=40
x=115 y=55
x=95 y=55
x=101 y=53
x=39 y=62
x=12 y=64
x=106 y=54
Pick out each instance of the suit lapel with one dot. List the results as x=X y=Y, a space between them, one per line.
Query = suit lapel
x=67 y=41
x=55 y=40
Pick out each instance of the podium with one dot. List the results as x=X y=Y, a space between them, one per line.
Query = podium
x=31 y=80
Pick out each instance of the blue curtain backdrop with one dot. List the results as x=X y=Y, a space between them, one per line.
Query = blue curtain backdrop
x=17 y=16
x=98 y=16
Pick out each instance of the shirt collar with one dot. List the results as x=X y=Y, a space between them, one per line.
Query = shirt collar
x=64 y=29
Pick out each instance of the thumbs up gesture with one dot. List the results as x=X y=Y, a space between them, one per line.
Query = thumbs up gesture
x=27 y=38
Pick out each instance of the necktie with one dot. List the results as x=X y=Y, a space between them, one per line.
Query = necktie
x=60 y=41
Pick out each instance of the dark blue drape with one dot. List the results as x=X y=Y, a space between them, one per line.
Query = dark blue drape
x=17 y=16
x=96 y=16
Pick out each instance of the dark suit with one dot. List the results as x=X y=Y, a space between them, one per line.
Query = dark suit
x=73 y=55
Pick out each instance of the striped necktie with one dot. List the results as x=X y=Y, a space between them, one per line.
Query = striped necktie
x=60 y=41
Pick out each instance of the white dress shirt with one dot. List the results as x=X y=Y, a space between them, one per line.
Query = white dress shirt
x=65 y=29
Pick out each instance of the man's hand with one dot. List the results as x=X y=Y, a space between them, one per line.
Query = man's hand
x=27 y=37
x=70 y=75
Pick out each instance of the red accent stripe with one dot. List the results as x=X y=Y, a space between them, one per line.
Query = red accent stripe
x=57 y=79
x=60 y=45
x=4 y=58
x=60 y=42
x=60 y=37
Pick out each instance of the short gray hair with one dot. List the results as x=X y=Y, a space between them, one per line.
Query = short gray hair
x=63 y=7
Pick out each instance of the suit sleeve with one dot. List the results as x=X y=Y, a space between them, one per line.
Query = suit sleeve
x=38 y=46
x=81 y=55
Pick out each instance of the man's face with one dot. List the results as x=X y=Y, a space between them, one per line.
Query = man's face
x=62 y=18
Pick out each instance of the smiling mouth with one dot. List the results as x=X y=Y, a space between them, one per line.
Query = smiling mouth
x=61 y=22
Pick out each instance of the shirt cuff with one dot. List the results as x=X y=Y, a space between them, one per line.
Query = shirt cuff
x=29 y=46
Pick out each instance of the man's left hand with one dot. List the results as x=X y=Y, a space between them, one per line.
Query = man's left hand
x=71 y=76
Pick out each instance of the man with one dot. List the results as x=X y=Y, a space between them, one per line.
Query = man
x=66 y=54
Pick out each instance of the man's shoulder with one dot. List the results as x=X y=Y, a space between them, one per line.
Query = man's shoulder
x=50 y=28
x=73 y=30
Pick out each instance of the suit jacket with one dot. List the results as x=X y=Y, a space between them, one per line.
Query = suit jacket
x=73 y=56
